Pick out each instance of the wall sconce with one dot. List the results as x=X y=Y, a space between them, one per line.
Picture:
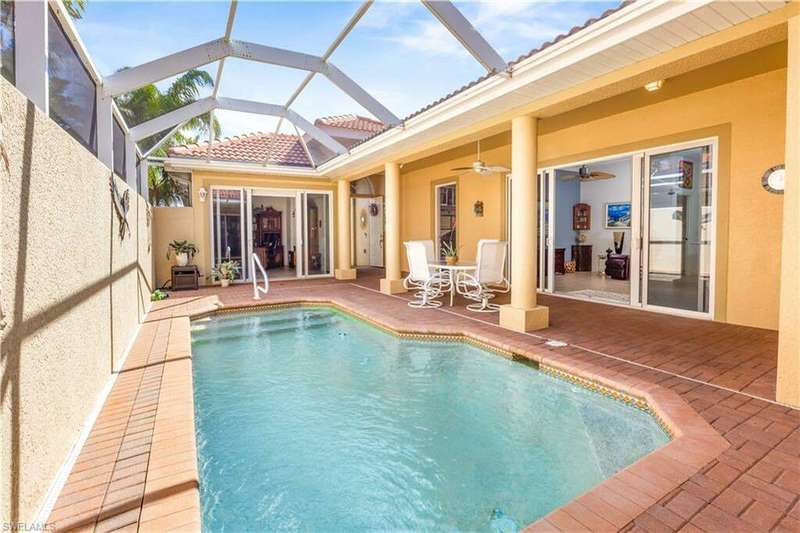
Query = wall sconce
x=203 y=193
x=478 y=208
x=654 y=85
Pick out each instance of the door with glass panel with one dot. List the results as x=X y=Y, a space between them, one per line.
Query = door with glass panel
x=318 y=242
x=678 y=229
x=228 y=224
x=445 y=215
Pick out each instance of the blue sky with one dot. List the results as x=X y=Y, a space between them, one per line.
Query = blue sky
x=398 y=52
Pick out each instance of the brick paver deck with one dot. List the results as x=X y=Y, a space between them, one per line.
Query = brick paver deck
x=138 y=468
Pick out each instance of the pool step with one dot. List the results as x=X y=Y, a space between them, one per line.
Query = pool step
x=256 y=320
x=271 y=329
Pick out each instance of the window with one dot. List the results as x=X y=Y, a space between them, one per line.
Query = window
x=72 y=90
x=445 y=217
x=119 y=150
x=7 y=40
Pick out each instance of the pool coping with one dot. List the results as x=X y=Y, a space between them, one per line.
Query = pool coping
x=610 y=505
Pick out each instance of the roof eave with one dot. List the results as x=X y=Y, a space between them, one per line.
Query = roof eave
x=187 y=163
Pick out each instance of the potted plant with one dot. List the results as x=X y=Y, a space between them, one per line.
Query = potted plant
x=225 y=272
x=450 y=253
x=184 y=251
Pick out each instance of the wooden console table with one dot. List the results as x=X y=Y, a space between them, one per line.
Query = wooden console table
x=582 y=255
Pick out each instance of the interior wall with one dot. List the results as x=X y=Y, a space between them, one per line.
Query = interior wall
x=747 y=116
x=597 y=194
x=73 y=293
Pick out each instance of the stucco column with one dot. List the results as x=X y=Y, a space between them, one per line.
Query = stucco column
x=344 y=268
x=523 y=314
x=788 y=387
x=392 y=283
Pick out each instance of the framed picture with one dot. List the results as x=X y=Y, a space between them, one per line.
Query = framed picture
x=618 y=215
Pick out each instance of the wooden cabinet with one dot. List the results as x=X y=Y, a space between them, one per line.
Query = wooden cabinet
x=582 y=255
x=558 y=262
x=581 y=217
x=269 y=241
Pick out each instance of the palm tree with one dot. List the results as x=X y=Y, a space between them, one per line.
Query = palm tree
x=75 y=8
x=149 y=102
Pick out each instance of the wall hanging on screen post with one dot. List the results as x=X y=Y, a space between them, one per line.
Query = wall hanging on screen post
x=373 y=209
x=122 y=203
x=478 y=208
x=774 y=179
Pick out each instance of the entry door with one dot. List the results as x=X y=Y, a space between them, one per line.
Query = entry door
x=317 y=210
x=376 y=233
x=228 y=226
x=679 y=228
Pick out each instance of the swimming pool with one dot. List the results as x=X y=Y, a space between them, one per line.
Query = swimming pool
x=309 y=419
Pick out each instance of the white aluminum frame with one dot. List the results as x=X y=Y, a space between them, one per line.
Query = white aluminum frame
x=214 y=217
x=304 y=194
x=436 y=227
x=713 y=142
x=280 y=193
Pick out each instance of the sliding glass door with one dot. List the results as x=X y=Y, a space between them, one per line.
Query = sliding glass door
x=679 y=229
x=228 y=208
x=289 y=231
x=317 y=216
x=631 y=229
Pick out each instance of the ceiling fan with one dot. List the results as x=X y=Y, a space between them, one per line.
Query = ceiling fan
x=480 y=167
x=584 y=175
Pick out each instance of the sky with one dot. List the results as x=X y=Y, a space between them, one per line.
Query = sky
x=398 y=52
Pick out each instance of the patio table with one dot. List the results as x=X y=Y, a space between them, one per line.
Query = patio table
x=453 y=271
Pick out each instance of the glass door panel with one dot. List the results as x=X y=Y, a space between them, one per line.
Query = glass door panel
x=679 y=230
x=446 y=217
x=317 y=217
x=227 y=228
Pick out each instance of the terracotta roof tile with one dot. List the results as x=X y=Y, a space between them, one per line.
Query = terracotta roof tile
x=352 y=122
x=254 y=147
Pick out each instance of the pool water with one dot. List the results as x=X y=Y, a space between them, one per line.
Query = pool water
x=309 y=419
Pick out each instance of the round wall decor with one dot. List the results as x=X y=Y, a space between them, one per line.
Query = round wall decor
x=773 y=179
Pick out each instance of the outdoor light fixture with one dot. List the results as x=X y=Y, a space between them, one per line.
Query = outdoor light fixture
x=654 y=85
x=203 y=193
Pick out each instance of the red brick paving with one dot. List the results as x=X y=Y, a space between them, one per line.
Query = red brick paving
x=754 y=485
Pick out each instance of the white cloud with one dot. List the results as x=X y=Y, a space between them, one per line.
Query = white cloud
x=429 y=36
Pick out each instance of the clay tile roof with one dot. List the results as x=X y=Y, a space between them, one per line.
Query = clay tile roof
x=254 y=147
x=352 y=122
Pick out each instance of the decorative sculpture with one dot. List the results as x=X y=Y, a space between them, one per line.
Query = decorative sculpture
x=122 y=204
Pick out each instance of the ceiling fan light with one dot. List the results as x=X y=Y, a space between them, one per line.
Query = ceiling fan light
x=654 y=85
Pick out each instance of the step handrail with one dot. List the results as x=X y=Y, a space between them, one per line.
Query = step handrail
x=254 y=260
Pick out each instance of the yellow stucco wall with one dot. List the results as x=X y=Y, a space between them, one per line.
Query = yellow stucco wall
x=194 y=224
x=72 y=292
x=746 y=114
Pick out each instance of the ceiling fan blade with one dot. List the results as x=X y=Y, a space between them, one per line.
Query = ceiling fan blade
x=497 y=168
x=457 y=169
x=597 y=175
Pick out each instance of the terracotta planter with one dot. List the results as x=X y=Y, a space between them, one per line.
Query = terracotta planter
x=182 y=259
x=224 y=282
x=451 y=259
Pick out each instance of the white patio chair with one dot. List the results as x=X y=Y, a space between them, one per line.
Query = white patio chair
x=427 y=282
x=408 y=282
x=489 y=276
